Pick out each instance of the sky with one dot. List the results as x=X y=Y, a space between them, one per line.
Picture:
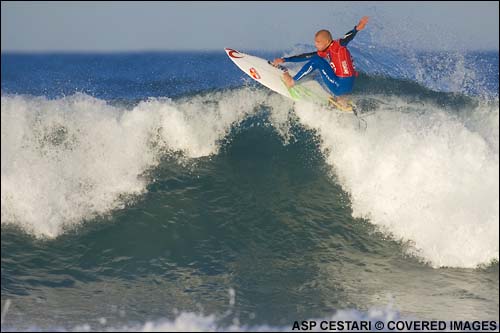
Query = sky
x=52 y=26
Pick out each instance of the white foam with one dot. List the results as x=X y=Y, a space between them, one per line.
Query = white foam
x=191 y=322
x=420 y=174
x=73 y=158
x=194 y=322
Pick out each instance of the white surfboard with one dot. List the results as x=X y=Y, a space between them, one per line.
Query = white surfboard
x=262 y=71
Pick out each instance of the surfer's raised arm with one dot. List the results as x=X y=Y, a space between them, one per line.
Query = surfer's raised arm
x=350 y=35
x=343 y=42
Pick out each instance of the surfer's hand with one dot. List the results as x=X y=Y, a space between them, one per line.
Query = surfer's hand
x=362 y=23
x=278 y=61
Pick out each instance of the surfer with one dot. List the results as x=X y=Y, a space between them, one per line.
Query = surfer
x=333 y=60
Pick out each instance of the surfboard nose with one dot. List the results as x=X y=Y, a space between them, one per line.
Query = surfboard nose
x=232 y=53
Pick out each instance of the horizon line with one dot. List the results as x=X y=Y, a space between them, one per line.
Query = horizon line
x=198 y=50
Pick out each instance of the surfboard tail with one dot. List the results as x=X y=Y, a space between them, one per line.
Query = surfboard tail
x=348 y=106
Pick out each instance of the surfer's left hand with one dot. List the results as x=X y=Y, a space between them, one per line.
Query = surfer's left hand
x=278 y=61
x=362 y=23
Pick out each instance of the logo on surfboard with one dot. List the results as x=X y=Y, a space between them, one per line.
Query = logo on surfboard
x=254 y=73
x=232 y=53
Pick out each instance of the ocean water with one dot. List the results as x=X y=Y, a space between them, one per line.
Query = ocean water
x=167 y=191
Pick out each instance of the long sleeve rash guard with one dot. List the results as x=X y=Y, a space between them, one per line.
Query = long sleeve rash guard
x=305 y=56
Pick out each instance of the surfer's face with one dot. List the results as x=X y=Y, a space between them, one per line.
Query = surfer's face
x=321 y=42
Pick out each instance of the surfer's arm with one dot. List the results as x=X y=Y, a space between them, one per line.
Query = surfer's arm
x=300 y=57
x=350 y=35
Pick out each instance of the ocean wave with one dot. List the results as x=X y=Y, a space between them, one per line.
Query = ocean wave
x=424 y=172
x=70 y=159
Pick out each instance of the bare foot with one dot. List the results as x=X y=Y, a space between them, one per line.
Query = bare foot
x=288 y=80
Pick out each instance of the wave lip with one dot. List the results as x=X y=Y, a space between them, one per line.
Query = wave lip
x=73 y=158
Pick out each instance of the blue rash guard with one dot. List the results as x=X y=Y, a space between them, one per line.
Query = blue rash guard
x=337 y=85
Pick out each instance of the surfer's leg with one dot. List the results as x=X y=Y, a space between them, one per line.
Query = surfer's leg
x=308 y=68
x=337 y=85
x=287 y=78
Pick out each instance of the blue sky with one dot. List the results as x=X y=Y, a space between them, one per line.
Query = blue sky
x=132 y=26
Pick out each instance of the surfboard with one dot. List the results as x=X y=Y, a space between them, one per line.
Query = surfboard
x=262 y=71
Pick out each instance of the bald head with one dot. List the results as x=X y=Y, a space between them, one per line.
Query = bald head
x=322 y=40
x=324 y=34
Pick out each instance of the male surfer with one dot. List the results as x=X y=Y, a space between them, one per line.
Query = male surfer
x=333 y=60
